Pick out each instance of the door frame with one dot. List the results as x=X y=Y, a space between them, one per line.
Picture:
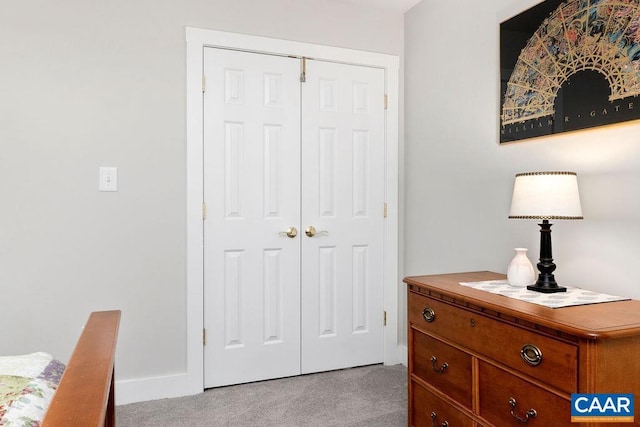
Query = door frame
x=197 y=39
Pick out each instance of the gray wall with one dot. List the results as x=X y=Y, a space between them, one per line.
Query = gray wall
x=102 y=83
x=458 y=180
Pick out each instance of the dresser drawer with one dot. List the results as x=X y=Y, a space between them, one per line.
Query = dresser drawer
x=442 y=366
x=498 y=388
x=498 y=340
x=428 y=410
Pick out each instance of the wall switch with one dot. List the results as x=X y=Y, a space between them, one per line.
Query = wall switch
x=108 y=179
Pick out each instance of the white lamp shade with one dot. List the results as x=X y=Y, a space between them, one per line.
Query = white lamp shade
x=546 y=195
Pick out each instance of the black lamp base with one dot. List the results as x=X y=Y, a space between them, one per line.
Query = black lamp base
x=546 y=282
x=546 y=288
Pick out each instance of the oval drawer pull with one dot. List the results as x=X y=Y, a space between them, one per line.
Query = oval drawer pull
x=531 y=354
x=429 y=315
x=434 y=423
x=531 y=413
x=441 y=369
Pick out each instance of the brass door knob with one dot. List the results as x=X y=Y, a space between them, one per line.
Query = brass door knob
x=311 y=231
x=290 y=233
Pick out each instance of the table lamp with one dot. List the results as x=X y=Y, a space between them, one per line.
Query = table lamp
x=545 y=196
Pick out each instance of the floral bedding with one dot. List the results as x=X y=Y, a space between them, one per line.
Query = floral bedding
x=27 y=384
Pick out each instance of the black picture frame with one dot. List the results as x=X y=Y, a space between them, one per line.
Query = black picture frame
x=569 y=65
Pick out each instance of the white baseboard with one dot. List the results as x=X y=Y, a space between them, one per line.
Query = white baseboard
x=404 y=351
x=141 y=390
x=397 y=357
x=178 y=385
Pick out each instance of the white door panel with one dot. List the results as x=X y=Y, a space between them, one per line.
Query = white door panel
x=343 y=199
x=252 y=191
x=281 y=154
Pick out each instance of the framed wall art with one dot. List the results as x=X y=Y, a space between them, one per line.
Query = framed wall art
x=569 y=65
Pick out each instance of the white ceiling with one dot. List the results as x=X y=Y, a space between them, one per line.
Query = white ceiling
x=395 y=5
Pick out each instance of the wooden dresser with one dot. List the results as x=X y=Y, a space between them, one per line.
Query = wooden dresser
x=480 y=359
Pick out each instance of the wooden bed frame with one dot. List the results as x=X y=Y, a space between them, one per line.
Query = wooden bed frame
x=85 y=395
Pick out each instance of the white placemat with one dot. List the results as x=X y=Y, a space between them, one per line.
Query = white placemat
x=573 y=296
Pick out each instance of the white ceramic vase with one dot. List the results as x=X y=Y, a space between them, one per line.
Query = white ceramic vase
x=520 y=272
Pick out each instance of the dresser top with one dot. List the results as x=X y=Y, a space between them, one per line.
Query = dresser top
x=593 y=321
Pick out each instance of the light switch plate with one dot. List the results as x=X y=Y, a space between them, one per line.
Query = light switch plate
x=108 y=180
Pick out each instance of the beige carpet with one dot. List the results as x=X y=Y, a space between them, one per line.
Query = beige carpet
x=368 y=396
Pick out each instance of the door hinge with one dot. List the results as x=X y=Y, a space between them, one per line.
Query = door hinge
x=386 y=101
x=384 y=210
x=204 y=84
x=384 y=323
x=204 y=336
x=204 y=210
x=303 y=70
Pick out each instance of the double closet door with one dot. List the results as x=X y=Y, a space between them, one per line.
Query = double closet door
x=293 y=235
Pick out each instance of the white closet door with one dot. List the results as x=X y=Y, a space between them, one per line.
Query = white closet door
x=252 y=192
x=343 y=198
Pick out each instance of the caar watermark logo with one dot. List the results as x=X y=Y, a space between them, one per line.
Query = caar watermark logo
x=602 y=408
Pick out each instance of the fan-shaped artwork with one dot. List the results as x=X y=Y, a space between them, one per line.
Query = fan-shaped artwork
x=579 y=35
